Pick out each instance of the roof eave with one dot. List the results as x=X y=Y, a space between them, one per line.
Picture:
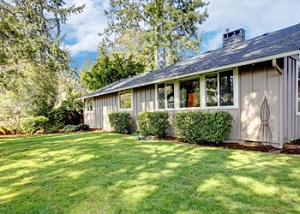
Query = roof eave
x=253 y=61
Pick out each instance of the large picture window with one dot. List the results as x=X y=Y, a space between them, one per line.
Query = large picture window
x=125 y=100
x=212 y=90
x=165 y=94
x=189 y=93
x=219 y=89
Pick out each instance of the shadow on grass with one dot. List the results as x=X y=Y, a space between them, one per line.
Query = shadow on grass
x=110 y=173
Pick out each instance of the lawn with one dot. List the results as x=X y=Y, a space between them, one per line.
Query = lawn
x=109 y=173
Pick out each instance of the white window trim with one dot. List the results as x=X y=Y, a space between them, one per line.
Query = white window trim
x=202 y=93
x=297 y=88
x=87 y=105
x=119 y=103
x=166 y=102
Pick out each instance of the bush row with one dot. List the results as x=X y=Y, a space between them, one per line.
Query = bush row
x=193 y=127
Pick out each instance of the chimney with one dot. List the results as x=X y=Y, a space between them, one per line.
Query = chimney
x=233 y=37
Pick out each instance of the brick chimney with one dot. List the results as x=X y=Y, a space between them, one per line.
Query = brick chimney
x=233 y=37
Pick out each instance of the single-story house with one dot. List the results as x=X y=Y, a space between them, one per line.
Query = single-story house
x=256 y=80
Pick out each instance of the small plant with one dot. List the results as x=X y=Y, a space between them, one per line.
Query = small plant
x=120 y=122
x=83 y=127
x=153 y=123
x=70 y=128
x=203 y=127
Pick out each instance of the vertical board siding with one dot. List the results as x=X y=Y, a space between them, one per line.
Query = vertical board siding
x=257 y=82
x=291 y=120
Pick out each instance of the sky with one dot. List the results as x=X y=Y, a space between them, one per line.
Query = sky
x=256 y=17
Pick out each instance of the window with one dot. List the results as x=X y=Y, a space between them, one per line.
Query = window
x=89 y=105
x=219 y=89
x=165 y=95
x=189 y=93
x=125 y=100
x=298 y=95
x=226 y=88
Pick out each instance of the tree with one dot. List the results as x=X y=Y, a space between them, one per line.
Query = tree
x=32 y=56
x=109 y=68
x=155 y=32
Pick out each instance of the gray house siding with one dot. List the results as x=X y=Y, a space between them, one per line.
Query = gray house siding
x=257 y=82
x=291 y=120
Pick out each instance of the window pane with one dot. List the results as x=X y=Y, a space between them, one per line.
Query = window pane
x=161 y=96
x=125 y=100
x=298 y=87
x=170 y=95
x=190 y=93
x=211 y=90
x=226 y=88
x=128 y=100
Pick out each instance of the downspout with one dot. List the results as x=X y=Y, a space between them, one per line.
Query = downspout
x=276 y=67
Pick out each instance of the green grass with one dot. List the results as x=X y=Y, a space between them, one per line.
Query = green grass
x=110 y=173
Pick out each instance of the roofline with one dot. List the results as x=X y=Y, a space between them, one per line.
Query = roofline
x=262 y=59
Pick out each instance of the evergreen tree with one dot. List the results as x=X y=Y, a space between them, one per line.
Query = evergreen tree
x=31 y=52
x=109 y=68
x=155 y=32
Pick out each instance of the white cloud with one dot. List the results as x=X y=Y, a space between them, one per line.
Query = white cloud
x=82 y=29
x=256 y=17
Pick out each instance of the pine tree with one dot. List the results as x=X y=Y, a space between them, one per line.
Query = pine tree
x=155 y=32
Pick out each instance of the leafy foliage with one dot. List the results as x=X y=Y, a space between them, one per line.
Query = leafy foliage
x=121 y=122
x=70 y=112
x=32 y=56
x=153 y=123
x=32 y=124
x=156 y=32
x=203 y=127
x=71 y=128
x=83 y=127
x=108 y=69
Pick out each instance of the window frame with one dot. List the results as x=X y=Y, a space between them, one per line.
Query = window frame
x=297 y=87
x=235 y=89
x=165 y=93
x=89 y=105
x=131 y=100
x=202 y=93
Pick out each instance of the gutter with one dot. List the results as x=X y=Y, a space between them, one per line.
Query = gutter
x=253 y=61
x=276 y=67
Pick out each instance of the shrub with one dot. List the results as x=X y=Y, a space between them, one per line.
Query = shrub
x=30 y=125
x=120 y=122
x=83 y=127
x=70 y=128
x=27 y=125
x=203 y=127
x=54 y=128
x=153 y=123
x=40 y=122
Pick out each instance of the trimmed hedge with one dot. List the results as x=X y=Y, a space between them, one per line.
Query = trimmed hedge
x=120 y=122
x=203 y=127
x=153 y=123
x=30 y=125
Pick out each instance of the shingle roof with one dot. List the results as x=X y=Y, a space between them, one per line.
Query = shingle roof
x=271 y=44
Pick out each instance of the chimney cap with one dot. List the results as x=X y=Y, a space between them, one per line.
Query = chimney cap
x=227 y=29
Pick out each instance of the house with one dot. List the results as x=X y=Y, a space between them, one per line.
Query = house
x=256 y=80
